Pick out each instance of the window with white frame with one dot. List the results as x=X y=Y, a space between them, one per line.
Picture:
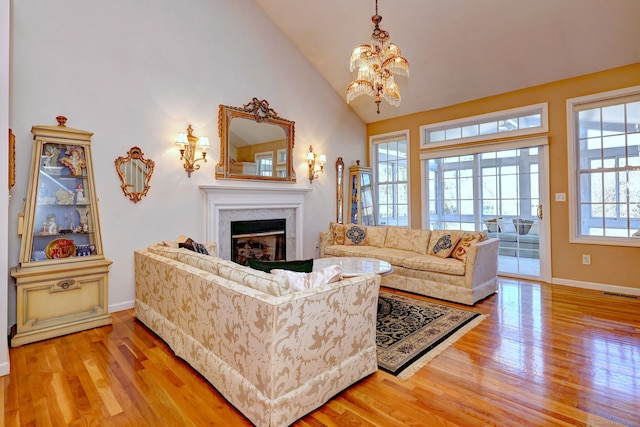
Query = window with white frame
x=264 y=162
x=604 y=167
x=519 y=121
x=391 y=170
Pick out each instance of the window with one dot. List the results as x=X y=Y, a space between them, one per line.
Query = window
x=604 y=165
x=265 y=163
x=391 y=169
x=507 y=123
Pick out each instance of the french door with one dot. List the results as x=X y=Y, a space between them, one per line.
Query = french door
x=498 y=192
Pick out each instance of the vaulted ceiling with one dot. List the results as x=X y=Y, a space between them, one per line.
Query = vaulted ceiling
x=461 y=50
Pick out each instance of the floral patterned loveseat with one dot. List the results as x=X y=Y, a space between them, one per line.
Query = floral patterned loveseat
x=274 y=354
x=452 y=265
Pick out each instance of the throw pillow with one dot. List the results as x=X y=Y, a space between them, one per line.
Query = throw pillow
x=462 y=249
x=376 y=236
x=443 y=243
x=506 y=226
x=301 y=266
x=534 y=230
x=492 y=225
x=523 y=225
x=355 y=235
x=337 y=231
x=193 y=246
x=315 y=279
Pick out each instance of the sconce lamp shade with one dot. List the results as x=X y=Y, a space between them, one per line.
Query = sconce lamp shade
x=323 y=159
x=203 y=143
x=182 y=139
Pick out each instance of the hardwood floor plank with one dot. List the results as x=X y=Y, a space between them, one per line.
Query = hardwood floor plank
x=546 y=355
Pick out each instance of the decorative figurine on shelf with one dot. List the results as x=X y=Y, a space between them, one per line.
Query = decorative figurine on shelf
x=80 y=199
x=64 y=197
x=51 y=155
x=83 y=214
x=51 y=226
x=75 y=162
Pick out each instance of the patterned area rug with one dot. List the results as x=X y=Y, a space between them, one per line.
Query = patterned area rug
x=411 y=332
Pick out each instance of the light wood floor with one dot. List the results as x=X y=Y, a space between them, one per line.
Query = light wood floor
x=546 y=355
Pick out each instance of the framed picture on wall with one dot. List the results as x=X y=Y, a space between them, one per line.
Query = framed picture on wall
x=282 y=156
x=12 y=159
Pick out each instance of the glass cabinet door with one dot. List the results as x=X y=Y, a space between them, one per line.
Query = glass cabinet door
x=62 y=216
x=61 y=219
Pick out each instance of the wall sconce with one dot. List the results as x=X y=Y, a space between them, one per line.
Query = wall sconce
x=189 y=144
x=312 y=159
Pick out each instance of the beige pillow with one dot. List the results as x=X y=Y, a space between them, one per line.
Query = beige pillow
x=315 y=279
x=408 y=239
x=355 y=235
x=337 y=231
x=462 y=249
x=442 y=243
x=376 y=236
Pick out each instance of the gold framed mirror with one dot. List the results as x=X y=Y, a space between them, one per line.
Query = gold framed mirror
x=135 y=173
x=255 y=143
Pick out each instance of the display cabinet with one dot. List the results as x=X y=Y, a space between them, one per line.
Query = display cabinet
x=362 y=209
x=62 y=278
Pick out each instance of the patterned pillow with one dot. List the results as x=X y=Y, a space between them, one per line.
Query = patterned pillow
x=355 y=235
x=442 y=243
x=337 y=231
x=492 y=225
x=523 y=225
x=462 y=249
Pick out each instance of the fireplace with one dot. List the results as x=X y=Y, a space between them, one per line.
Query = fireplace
x=258 y=239
x=227 y=203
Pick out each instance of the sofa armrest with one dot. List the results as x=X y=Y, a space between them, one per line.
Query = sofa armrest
x=326 y=239
x=482 y=261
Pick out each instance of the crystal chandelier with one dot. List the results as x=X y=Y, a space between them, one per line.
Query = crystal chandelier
x=376 y=64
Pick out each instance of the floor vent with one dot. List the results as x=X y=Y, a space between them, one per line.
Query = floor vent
x=616 y=294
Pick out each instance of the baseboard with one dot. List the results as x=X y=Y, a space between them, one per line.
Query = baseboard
x=4 y=367
x=121 y=306
x=623 y=290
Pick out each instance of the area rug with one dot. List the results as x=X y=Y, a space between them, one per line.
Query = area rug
x=411 y=332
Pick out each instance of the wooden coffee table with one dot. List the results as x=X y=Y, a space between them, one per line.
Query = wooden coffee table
x=355 y=266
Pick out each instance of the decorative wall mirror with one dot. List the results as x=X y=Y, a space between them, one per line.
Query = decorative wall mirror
x=339 y=189
x=255 y=143
x=135 y=173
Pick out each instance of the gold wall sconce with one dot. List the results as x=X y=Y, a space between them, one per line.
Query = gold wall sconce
x=189 y=144
x=313 y=159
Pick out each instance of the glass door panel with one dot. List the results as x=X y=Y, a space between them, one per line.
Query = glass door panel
x=497 y=192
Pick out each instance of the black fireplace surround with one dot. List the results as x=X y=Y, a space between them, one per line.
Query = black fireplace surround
x=262 y=239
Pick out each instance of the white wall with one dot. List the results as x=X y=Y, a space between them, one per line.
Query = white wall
x=137 y=73
x=4 y=194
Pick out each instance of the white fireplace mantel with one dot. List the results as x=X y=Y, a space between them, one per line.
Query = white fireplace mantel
x=245 y=198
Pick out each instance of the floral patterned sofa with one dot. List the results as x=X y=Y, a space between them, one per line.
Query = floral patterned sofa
x=451 y=265
x=272 y=353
